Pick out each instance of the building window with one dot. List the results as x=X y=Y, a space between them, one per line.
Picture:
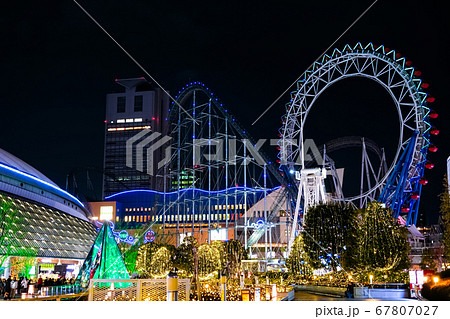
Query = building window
x=138 y=103
x=121 y=104
x=106 y=212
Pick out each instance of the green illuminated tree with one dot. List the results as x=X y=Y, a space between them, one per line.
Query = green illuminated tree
x=379 y=242
x=208 y=260
x=235 y=252
x=445 y=212
x=155 y=260
x=427 y=261
x=328 y=228
x=297 y=262
x=184 y=256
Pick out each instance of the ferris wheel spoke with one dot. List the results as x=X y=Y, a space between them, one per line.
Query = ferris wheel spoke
x=382 y=71
x=367 y=63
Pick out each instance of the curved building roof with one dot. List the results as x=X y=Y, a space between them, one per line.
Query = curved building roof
x=14 y=162
x=19 y=178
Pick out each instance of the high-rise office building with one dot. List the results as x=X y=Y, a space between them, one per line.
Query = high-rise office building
x=139 y=111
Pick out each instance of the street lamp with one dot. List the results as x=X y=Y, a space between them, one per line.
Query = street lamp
x=371 y=279
x=436 y=280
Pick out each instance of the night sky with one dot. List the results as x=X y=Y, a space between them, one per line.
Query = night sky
x=57 y=66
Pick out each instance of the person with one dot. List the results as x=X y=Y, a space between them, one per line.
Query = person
x=13 y=287
x=2 y=287
x=8 y=289
x=350 y=290
x=39 y=283
x=25 y=285
x=19 y=285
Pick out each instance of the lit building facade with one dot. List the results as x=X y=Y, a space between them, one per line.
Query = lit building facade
x=139 y=109
x=52 y=226
x=206 y=215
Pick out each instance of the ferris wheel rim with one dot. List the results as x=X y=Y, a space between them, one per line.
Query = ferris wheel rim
x=296 y=109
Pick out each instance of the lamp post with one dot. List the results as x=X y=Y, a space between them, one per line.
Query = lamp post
x=223 y=284
x=436 y=280
x=172 y=286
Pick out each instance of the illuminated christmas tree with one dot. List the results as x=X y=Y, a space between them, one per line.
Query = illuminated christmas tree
x=104 y=260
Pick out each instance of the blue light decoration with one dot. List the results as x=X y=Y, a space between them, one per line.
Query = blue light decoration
x=120 y=236
x=192 y=189
x=259 y=224
x=395 y=194
x=41 y=183
x=149 y=237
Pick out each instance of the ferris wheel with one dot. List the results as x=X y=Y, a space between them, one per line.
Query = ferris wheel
x=401 y=185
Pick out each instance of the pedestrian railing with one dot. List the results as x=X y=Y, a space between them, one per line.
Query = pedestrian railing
x=135 y=289
x=60 y=290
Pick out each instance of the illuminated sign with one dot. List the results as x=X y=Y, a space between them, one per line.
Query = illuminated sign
x=149 y=237
x=47 y=266
x=120 y=236
x=416 y=277
x=259 y=224
x=257 y=294
x=245 y=294
x=219 y=234
x=106 y=212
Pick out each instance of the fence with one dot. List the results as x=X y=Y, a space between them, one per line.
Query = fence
x=60 y=290
x=135 y=289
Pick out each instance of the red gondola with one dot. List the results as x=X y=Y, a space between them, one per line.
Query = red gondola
x=404 y=209
x=398 y=55
x=430 y=99
x=433 y=114
x=433 y=148
x=424 y=85
x=415 y=196
x=434 y=131
x=429 y=165
x=408 y=63
x=417 y=73
x=423 y=181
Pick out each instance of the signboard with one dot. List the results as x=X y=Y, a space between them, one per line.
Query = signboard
x=219 y=234
x=245 y=293
x=416 y=277
x=149 y=237
x=47 y=267
x=257 y=294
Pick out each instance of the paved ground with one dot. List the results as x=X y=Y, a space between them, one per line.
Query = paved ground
x=307 y=296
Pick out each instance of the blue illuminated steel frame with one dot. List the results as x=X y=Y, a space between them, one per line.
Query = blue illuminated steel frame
x=397 y=75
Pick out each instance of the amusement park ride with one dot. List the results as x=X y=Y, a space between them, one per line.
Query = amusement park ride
x=213 y=153
x=400 y=186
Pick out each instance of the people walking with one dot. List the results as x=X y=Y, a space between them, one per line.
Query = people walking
x=13 y=287
x=7 y=294
x=39 y=283
x=24 y=284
